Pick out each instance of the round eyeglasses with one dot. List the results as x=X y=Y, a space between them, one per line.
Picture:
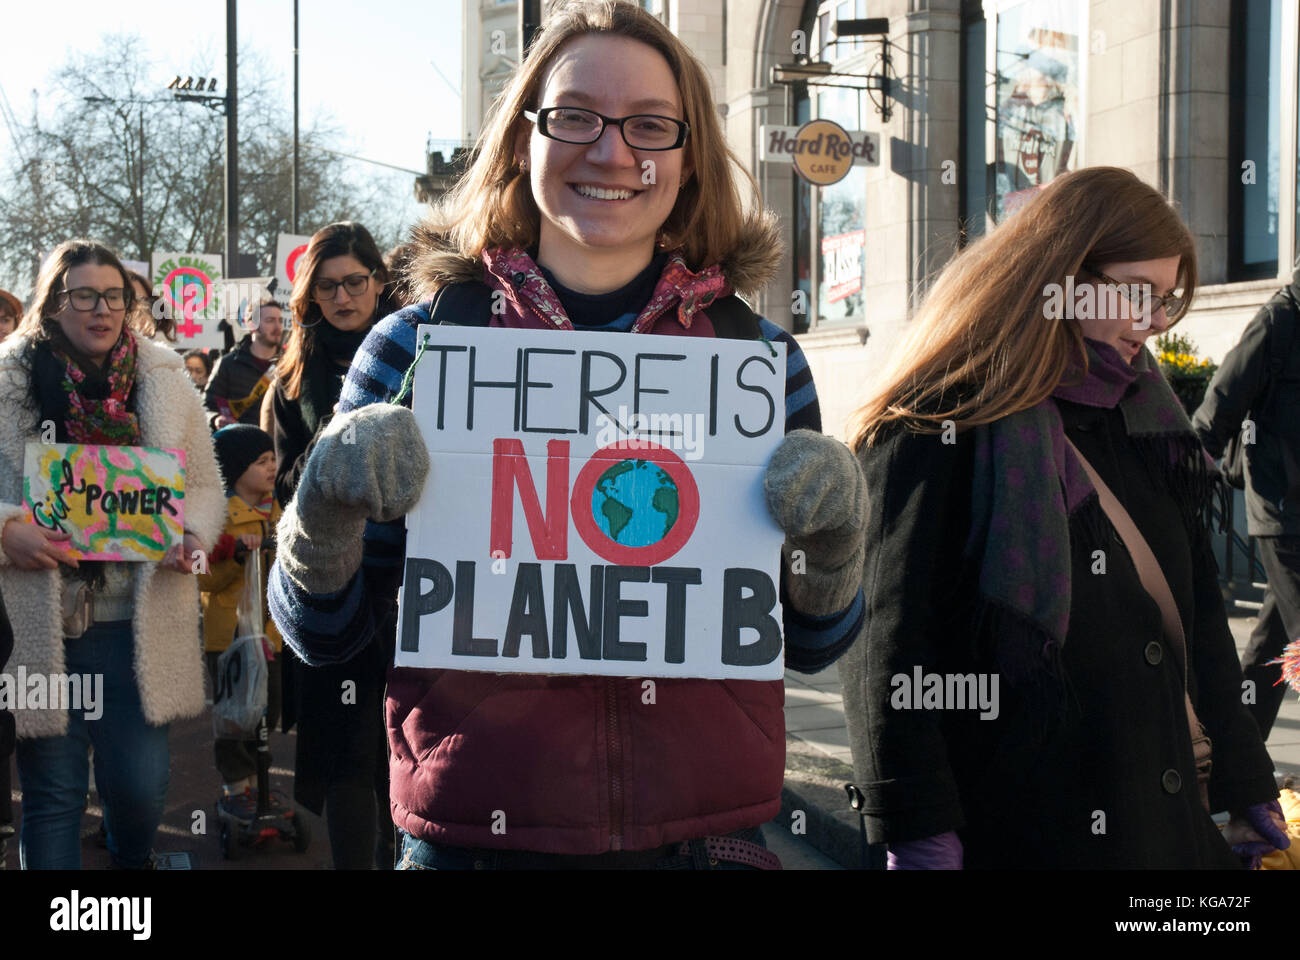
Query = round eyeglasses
x=641 y=131
x=1144 y=299
x=322 y=291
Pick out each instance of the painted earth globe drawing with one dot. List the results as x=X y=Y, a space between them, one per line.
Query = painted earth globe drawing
x=634 y=503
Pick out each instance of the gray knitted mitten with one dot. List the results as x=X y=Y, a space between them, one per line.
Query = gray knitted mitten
x=369 y=463
x=818 y=496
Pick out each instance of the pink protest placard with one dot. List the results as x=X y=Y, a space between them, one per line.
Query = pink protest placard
x=116 y=503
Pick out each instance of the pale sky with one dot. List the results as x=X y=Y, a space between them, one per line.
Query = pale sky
x=368 y=65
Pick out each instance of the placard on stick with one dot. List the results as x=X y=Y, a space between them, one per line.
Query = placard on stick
x=595 y=506
x=117 y=503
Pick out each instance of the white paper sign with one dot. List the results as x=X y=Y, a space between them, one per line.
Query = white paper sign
x=549 y=540
x=190 y=286
x=289 y=248
x=241 y=295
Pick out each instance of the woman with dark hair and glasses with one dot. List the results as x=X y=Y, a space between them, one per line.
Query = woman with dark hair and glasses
x=341 y=766
x=339 y=293
x=76 y=364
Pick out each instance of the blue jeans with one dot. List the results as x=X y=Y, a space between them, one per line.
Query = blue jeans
x=131 y=764
x=416 y=854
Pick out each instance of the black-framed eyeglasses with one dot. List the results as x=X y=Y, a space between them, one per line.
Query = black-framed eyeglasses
x=1143 y=299
x=641 y=131
x=86 y=299
x=322 y=291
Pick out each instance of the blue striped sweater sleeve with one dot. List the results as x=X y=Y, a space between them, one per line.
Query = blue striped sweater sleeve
x=334 y=627
x=811 y=643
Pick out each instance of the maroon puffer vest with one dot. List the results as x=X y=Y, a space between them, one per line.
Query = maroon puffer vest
x=582 y=765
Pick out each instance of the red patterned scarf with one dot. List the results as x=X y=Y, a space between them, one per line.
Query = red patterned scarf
x=97 y=400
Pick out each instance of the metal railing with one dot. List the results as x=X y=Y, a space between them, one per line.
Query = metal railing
x=1238 y=555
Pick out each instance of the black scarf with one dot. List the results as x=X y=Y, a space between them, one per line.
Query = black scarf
x=325 y=368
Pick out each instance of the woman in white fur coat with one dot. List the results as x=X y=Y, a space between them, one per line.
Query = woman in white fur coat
x=74 y=369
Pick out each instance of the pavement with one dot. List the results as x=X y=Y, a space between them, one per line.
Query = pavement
x=816 y=829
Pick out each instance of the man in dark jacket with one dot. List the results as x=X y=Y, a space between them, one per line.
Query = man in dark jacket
x=242 y=376
x=1257 y=391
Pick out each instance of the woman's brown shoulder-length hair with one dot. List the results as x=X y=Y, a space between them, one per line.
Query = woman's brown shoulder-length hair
x=335 y=240
x=492 y=205
x=982 y=346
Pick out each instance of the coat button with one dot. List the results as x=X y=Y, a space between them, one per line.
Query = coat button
x=519 y=277
x=1154 y=653
x=1171 y=781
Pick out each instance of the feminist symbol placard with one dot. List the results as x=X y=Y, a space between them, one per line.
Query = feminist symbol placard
x=187 y=284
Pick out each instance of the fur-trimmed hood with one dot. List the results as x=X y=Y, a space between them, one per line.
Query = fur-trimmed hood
x=748 y=266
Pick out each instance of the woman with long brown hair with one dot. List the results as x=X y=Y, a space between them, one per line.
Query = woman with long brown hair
x=602 y=199
x=340 y=768
x=76 y=372
x=1047 y=649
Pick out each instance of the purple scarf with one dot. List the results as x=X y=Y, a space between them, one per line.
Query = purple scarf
x=1030 y=496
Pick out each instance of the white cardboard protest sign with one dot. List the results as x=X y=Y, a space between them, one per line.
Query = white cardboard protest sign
x=289 y=248
x=241 y=295
x=547 y=540
x=190 y=285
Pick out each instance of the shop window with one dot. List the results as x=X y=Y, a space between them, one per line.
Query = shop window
x=1255 y=153
x=1037 y=84
x=841 y=221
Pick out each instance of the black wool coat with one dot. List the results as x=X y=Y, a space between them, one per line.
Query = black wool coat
x=1105 y=779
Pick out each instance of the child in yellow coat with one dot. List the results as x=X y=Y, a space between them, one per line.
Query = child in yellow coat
x=246 y=456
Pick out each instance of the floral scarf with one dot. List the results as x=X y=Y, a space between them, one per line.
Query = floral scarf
x=97 y=399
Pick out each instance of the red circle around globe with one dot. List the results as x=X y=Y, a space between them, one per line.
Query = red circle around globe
x=688 y=503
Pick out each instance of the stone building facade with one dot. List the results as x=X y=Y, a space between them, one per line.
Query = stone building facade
x=989 y=99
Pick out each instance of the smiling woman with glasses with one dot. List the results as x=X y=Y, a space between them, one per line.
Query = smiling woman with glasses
x=603 y=197
x=641 y=131
x=75 y=366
